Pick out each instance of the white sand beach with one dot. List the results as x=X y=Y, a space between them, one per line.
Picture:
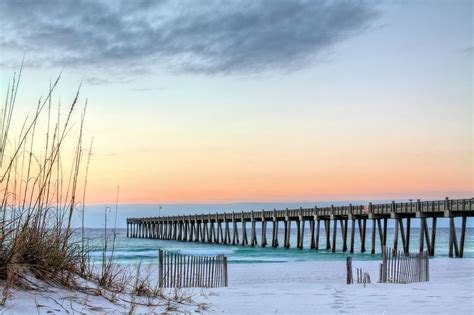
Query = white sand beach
x=288 y=288
x=319 y=287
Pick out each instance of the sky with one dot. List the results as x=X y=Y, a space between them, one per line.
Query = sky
x=256 y=101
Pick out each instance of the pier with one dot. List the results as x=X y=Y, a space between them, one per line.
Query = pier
x=223 y=228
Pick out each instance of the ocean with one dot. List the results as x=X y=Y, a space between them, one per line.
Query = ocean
x=135 y=250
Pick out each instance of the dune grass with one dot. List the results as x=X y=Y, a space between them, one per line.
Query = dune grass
x=39 y=192
x=43 y=184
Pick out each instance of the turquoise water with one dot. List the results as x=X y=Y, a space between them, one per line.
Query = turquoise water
x=134 y=250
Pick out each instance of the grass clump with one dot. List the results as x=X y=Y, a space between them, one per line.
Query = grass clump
x=38 y=189
x=41 y=171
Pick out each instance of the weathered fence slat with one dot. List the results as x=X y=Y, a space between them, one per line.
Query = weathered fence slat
x=181 y=271
x=400 y=267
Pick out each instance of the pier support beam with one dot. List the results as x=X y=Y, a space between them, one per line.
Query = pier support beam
x=344 y=234
x=220 y=233
x=302 y=233
x=244 y=234
x=318 y=223
x=352 y=235
x=433 y=236
x=362 y=232
x=407 y=249
x=395 y=238
x=421 y=243
x=334 y=235
x=264 y=233
x=327 y=227
x=374 y=229
x=453 y=242
x=253 y=238
x=235 y=230
x=463 y=236
x=287 y=233
x=381 y=236
x=275 y=233
x=227 y=233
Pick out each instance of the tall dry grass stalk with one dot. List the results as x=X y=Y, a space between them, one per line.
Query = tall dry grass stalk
x=38 y=189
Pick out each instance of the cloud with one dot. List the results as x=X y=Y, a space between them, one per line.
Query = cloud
x=205 y=37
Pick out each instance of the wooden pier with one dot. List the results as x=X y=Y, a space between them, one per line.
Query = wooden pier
x=223 y=228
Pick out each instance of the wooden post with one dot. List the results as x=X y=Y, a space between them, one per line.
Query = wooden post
x=327 y=227
x=227 y=233
x=264 y=232
x=407 y=250
x=427 y=236
x=287 y=230
x=160 y=270
x=381 y=273
x=235 y=229
x=302 y=234
x=253 y=239
x=364 y=230
x=374 y=228
x=381 y=237
x=385 y=231
x=402 y=232
x=244 y=233
x=422 y=235
x=175 y=231
x=334 y=236
x=220 y=233
x=298 y=233
x=214 y=236
x=191 y=230
x=275 y=232
x=463 y=235
x=289 y=235
x=395 y=237
x=186 y=228
x=344 y=223
x=453 y=243
x=311 y=231
x=384 y=269
x=349 y=269
x=198 y=234
x=226 y=278
x=352 y=235
x=433 y=236
x=317 y=233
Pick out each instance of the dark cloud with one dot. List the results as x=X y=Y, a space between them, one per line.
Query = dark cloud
x=210 y=37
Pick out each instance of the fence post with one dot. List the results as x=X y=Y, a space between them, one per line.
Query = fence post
x=380 y=273
x=427 y=268
x=160 y=263
x=226 y=279
x=349 y=269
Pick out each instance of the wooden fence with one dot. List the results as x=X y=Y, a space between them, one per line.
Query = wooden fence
x=185 y=271
x=397 y=267
x=362 y=277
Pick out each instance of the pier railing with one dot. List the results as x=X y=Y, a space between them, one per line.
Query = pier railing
x=186 y=271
